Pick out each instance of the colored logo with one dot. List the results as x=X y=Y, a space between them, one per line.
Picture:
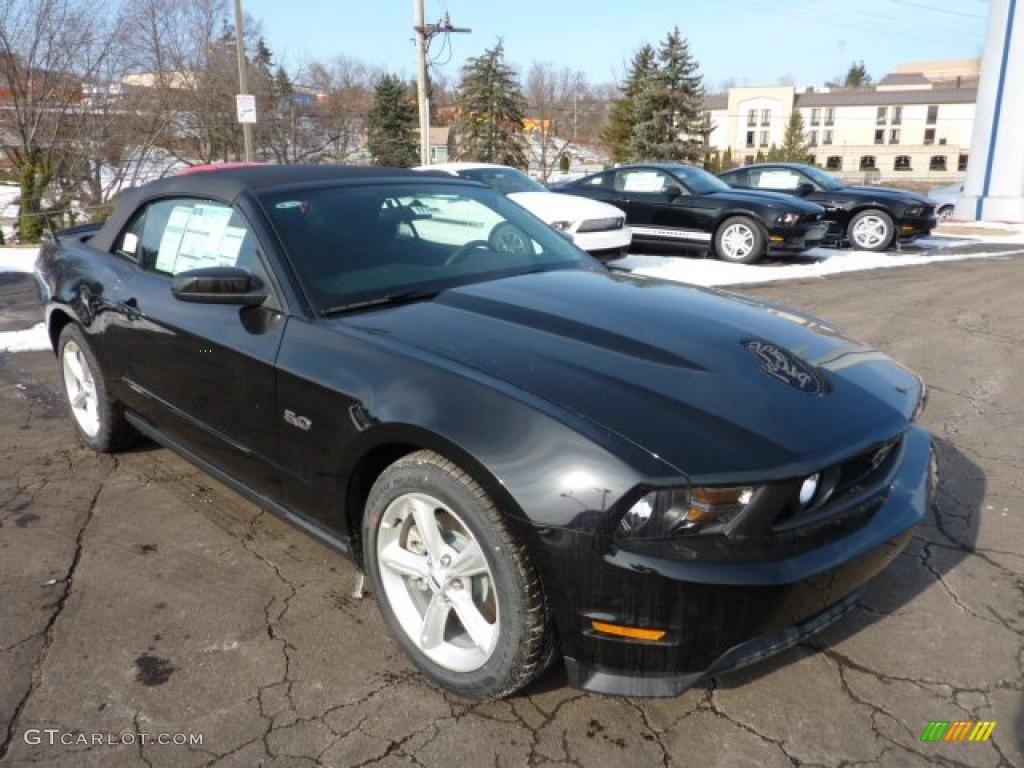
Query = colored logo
x=958 y=730
x=786 y=367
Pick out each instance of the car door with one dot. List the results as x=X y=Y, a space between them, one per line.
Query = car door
x=659 y=207
x=601 y=187
x=202 y=374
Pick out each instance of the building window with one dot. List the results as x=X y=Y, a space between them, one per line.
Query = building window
x=961 y=163
x=894 y=136
x=751 y=117
x=750 y=138
x=880 y=136
x=937 y=163
x=867 y=163
x=815 y=116
x=812 y=138
x=897 y=116
x=880 y=119
x=830 y=116
x=766 y=117
x=929 y=135
x=933 y=114
x=902 y=163
x=826 y=136
x=811 y=160
x=748 y=160
x=764 y=138
x=834 y=163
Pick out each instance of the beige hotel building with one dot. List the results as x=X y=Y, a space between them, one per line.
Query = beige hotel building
x=915 y=124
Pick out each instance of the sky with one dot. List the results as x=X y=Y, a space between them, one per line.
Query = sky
x=749 y=41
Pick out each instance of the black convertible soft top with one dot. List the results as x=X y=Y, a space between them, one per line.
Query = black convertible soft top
x=226 y=184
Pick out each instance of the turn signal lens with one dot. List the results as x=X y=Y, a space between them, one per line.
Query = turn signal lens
x=621 y=630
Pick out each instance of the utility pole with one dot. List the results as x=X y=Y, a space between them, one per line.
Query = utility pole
x=243 y=80
x=424 y=33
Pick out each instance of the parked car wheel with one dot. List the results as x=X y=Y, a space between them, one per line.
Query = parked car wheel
x=946 y=212
x=98 y=418
x=872 y=230
x=739 y=240
x=455 y=588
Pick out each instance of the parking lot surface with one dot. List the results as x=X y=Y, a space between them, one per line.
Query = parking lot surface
x=139 y=596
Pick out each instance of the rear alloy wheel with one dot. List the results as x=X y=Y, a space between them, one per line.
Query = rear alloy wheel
x=99 y=419
x=946 y=212
x=456 y=590
x=739 y=240
x=872 y=230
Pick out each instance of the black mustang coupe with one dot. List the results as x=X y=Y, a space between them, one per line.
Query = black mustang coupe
x=683 y=205
x=869 y=218
x=532 y=458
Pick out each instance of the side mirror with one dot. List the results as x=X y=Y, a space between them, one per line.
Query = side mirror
x=219 y=285
x=805 y=189
x=673 y=191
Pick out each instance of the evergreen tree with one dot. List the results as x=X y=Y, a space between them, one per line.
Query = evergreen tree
x=794 y=144
x=669 y=107
x=622 y=117
x=492 y=108
x=727 y=161
x=759 y=158
x=391 y=125
x=857 y=76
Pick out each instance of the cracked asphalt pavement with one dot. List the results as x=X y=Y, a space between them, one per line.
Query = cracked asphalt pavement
x=137 y=595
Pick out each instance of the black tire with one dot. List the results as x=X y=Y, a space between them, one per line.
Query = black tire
x=884 y=219
x=757 y=248
x=114 y=433
x=524 y=646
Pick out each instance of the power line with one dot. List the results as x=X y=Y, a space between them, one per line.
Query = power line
x=936 y=8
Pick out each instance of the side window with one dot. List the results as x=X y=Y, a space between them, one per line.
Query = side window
x=738 y=178
x=598 y=182
x=178 y=234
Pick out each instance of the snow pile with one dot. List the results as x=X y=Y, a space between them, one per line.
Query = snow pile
x=18 y=259
x=825 y=262
x=29 y=340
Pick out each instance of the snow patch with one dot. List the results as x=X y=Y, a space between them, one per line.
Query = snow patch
x=18 y=259
x=29 y=340
x=709 y=272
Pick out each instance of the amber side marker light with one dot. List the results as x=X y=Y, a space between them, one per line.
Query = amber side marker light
x=637 y=633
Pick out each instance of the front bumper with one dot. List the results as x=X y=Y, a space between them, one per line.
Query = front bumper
x=605 y=240
x=796 y=238
x=717 y=615
x=911 y=228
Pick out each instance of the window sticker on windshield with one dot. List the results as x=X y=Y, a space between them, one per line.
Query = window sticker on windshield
x=171 y=239
x=643 y=181
x=284 y=205
x=778 y=180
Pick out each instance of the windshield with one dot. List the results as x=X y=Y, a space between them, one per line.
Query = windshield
x=699 y=181
x=822 y=179
x=505 y=180
x=358 y=244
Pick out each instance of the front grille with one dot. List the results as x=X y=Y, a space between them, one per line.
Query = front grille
x=811 y=218
x=601 y=225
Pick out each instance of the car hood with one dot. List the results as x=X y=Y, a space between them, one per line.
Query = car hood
x=887 y=194
x=554 y=206
x=722 y=388
x=773 y=200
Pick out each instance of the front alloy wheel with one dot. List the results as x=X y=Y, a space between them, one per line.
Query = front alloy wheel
x=872 y=230
x=438 y=582
x=457 y=590
x=739 y=240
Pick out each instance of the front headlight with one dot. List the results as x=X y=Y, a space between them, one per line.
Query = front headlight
x=915 y=211
x=788 y=219
x=663 y=514
x=562 y=226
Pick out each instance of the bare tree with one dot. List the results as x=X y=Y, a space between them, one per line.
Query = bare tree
x=344 y=88
x=48 y=50
x=552 y=98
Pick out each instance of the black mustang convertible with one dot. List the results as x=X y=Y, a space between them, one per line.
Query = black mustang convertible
x=534 y=459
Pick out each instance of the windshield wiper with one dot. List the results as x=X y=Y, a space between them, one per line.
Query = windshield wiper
x=391 y=299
